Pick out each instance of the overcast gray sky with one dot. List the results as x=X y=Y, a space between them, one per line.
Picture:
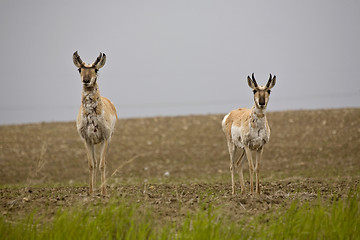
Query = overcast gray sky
x=177 y=57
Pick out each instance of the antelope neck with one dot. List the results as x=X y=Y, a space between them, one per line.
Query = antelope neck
x=91 y=100
x=259 y=113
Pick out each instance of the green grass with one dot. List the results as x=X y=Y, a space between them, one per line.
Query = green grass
x=339 y=220
x=115 y=221
x=122 y=220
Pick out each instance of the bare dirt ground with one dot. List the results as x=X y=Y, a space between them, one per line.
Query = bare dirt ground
x=175 y=165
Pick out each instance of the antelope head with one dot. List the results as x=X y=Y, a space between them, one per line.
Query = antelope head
x=261 y=93
x=88 y=72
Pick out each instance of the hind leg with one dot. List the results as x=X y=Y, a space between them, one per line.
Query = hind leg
x=232 y=151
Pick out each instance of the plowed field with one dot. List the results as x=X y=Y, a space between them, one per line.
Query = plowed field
x=175 y=165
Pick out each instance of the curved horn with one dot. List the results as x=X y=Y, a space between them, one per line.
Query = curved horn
x=269 y=81
x=98 y=59
x=77 y=60
x=253 y=79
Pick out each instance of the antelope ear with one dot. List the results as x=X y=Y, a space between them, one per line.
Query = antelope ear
x=77 y=60
x=271 y=82
x=100 y=61
x=251 y=82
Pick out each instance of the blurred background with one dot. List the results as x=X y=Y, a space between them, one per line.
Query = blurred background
x=167 y=58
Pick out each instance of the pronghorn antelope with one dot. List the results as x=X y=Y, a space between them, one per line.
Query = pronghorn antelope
x=248 y=130
x=96 y=118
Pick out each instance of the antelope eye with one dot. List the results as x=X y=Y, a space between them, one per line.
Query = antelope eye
x=79 y=70
x=269 y=91
x=254 y=91
x=96 y=70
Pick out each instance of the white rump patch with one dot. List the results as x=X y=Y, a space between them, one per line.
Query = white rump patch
x=223 y=123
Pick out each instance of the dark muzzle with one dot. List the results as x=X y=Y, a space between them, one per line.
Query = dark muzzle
x=262 y=101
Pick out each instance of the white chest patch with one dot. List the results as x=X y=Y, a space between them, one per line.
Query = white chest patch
x=92 y=126
x=257 y=136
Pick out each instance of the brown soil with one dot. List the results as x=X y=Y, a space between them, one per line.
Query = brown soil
x=179 y=164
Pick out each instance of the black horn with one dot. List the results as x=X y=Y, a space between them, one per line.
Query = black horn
x=78 y=59
x=98 y=59
x=253 y=79
x=269 y=81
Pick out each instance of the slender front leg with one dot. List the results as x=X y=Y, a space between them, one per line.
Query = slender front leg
x=104 y=146
x=251 y=168
x=232 y=151
x=257 y=169
x=90 y=149
x=240 y=165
